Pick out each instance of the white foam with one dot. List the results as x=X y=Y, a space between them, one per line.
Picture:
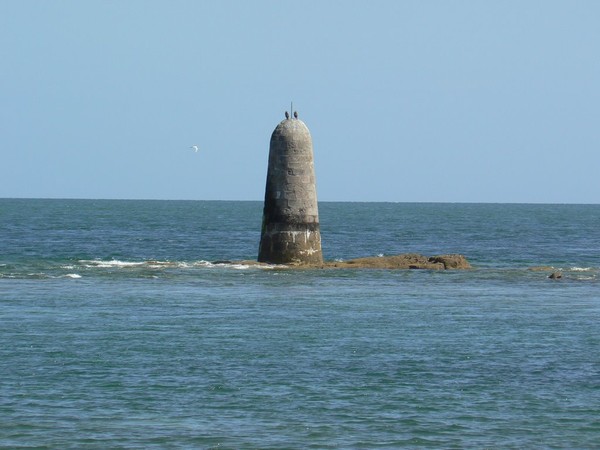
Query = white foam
x=200 y=263
x=155 y=264
x=581 y=269
x=161 y=264
x=586 y=278
x=220 y=264
x=111 y=263
x=72 y=275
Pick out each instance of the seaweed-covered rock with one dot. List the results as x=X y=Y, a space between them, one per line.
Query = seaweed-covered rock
x=405 y=261
x=393 y=262
x=451 y=261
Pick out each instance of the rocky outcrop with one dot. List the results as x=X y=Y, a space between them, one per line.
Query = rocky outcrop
x=403 y=261
x=452 y=261
x=406 y=261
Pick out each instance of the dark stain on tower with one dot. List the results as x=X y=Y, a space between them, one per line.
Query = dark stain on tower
x=290 y=226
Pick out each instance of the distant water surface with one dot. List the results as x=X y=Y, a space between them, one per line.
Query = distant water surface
x=118 y=330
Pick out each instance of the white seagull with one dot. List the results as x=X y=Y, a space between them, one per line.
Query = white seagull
x=195 y=147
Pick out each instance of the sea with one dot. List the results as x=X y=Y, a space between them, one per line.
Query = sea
x=134 y=325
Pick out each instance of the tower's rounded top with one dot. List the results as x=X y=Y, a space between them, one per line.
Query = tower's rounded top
x=289 y=128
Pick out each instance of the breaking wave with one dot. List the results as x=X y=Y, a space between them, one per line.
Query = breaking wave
x=155 y=269
x=84 y=268
x=153 y=264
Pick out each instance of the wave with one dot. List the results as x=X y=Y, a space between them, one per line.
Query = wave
x=155 y=264
x=152 y=269
x=109 y=264
x=38 y=276
x=48 y=270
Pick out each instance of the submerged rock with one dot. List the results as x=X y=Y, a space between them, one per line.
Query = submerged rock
x=541 y=268
x=410 y=261
x=406 y=261
x=452 y=261
x=555 y=276
x=403 y=261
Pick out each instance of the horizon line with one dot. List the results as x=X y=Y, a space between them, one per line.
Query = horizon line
x=319 y=201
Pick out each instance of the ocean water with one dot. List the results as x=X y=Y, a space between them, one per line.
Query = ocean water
x=118 y=330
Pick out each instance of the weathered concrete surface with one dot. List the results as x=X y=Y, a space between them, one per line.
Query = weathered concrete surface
x=290 y=229
x=404 y=261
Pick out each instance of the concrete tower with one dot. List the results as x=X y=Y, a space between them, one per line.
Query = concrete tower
x=290 y=226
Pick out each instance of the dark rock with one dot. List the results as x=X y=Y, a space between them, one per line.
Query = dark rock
x=394 y=262
x=451 y=261
x=404 y=261
x=555 y=276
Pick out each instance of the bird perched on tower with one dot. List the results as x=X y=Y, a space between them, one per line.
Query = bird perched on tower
x=287 y=115
x=295 y=114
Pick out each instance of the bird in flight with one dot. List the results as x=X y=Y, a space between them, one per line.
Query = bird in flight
x=195 y=147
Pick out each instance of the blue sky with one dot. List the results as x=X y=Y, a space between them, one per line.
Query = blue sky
x=407 y=101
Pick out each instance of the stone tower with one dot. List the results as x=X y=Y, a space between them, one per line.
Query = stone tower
x=290 y=226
